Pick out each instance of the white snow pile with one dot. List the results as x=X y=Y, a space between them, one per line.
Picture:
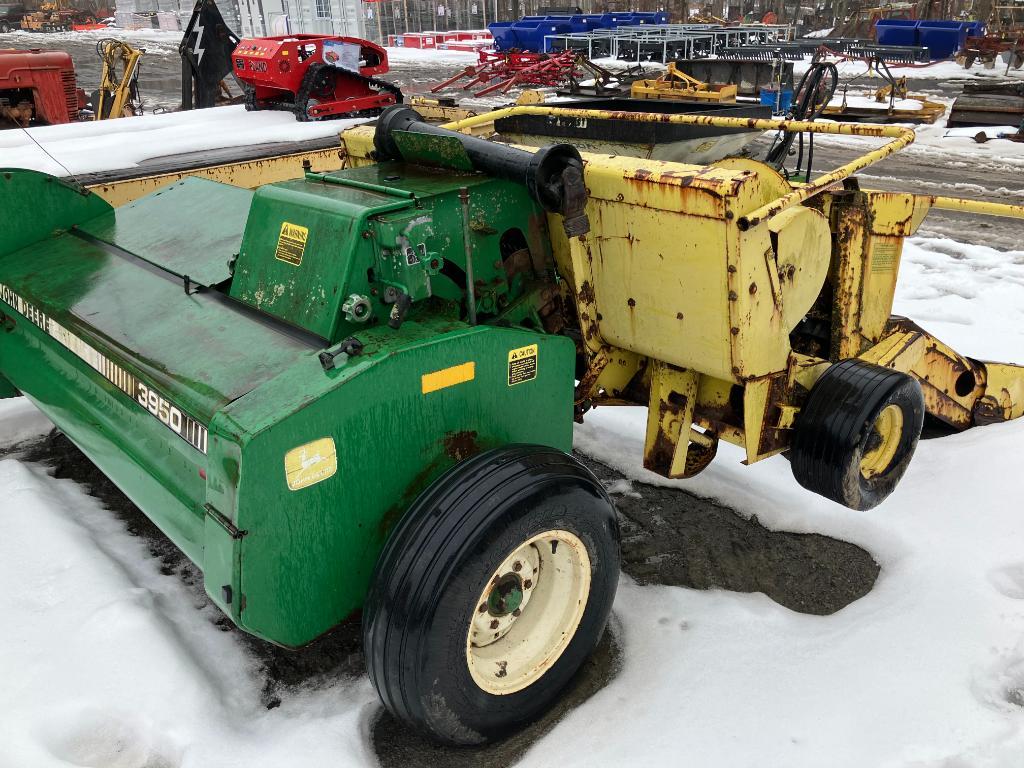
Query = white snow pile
x=105 y=662
x=867 y=102
x=429 y=57
x=128 y=143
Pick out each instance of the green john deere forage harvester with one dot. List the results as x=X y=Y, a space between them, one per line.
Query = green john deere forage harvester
x=276 y=376
x=356 y=390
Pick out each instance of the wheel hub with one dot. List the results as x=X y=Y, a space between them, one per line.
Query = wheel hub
x=528 y=612
x=882 y=442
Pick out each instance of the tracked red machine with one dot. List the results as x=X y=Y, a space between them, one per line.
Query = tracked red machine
x=314 y=76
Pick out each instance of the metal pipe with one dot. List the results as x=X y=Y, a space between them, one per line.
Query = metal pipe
x=975 y=206
x=901 y=137
x=470 y=282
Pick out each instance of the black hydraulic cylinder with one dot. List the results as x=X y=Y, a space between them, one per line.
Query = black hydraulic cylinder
x=553 y=175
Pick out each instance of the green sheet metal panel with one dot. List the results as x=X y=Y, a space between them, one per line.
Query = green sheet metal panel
x=308 y=554
x=193 y=227
x=201 y=351
x=156 y=470
x=302 y=244
x=34 y=205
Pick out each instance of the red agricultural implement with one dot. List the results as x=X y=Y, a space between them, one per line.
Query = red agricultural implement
x=314 y=76
x=37 y=88
x=502 y=71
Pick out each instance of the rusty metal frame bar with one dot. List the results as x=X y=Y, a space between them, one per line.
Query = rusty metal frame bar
x=899 y=138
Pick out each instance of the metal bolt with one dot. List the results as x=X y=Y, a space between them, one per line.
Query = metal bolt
x=735 y=331
x=733 y=296
x=494 y=624
x=528 y=584
x=482 y=608
x=517 y=612
x=517 y=566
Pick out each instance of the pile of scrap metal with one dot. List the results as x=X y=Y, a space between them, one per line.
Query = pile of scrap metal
x=676 y=84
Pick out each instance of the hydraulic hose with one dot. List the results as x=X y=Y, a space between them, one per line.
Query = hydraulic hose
x=813 y=94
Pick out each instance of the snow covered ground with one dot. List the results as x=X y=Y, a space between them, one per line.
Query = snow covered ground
x=106 y=662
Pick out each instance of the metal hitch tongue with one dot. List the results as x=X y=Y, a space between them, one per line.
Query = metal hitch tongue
x=553 y=175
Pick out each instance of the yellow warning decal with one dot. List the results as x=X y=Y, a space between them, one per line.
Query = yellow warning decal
x=448 y=377
x=885 y=256
x=311 y=463
x=522 y=365
x=291 y=243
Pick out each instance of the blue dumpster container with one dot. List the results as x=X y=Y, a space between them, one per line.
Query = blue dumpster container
x=897 y=32
x=530 y=34
x=943 y=38
x=975 y=28
x=503 y=34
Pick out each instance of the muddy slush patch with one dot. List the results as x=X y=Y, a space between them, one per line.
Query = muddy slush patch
x=669 y=537
x=672 y=537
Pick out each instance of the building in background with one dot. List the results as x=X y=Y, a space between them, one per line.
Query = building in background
x=261 y=18
x=167 y=14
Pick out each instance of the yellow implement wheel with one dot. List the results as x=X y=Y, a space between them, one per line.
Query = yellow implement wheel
x=528 y=612
x=885 y=437
x=855 y=435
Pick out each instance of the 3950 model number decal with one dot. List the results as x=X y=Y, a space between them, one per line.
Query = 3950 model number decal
x=172 y=417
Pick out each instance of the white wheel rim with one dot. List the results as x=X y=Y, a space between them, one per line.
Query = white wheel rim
x=528 y=612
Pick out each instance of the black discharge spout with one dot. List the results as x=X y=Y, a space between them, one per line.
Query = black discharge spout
x=553 y=175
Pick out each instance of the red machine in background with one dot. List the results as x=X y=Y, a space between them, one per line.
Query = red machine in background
x=314 y=76
x=37 y=88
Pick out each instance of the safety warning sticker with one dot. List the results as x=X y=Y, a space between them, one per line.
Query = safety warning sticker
x=885 y=256
x=522 y=365
x=291 y=243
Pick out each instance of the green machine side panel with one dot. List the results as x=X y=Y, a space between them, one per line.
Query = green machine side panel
x=157 y=470
x=308 y=554
x=196 y=351
x=300 y=249
x=193 y=227
x=34 y=205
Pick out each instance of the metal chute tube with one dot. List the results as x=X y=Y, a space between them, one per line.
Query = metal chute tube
x=543 y=173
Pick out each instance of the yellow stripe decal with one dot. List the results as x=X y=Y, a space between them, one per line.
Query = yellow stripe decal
x=448 y=377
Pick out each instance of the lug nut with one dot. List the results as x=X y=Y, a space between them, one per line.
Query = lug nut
x=517 y=566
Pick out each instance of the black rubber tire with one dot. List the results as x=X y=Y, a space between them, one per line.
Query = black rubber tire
x=833 y=430
x=435 y=565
